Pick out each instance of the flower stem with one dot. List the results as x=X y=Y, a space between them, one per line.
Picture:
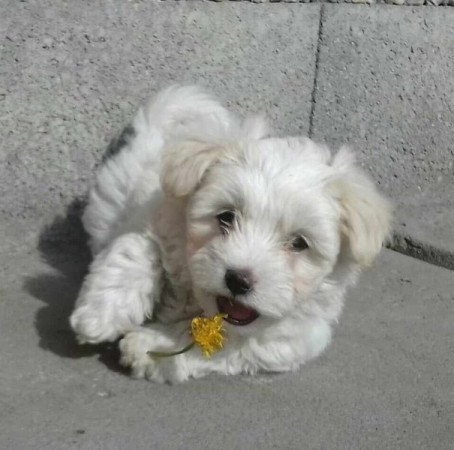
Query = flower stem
x=166 y=354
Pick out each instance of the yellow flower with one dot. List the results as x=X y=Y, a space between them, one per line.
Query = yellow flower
x=207 y=333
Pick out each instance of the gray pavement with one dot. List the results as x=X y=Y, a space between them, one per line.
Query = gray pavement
x=378 y=78
x=385 y=382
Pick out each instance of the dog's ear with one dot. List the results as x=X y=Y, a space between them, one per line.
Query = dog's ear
x=365 y=213
x=184 y=165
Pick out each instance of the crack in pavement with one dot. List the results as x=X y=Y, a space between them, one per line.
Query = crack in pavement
x=316 y=69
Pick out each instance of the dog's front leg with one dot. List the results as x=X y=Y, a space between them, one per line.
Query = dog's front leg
x=118 y=293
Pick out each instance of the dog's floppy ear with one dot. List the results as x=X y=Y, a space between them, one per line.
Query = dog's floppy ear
x=184 y=165
x=365 y=213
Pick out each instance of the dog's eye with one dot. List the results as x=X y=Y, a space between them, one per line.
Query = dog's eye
x=226 y=219
x=299 y=244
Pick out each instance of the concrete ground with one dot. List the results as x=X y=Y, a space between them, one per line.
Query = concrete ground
x=378 y=78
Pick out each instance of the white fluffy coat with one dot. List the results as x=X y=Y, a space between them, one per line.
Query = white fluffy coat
x=160 y=252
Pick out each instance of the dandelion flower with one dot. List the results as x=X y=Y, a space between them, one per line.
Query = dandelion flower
x=206 y=333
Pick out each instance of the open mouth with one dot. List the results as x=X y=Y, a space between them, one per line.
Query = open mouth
x=237 y=313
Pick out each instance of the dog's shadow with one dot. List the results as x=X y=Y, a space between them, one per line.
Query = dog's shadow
x=63 y=246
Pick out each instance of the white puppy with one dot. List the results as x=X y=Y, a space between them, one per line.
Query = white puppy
x=200 y=214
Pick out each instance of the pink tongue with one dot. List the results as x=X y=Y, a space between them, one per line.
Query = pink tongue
x=236 y=310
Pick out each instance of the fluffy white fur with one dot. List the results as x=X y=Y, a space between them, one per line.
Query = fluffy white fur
x=160 y=252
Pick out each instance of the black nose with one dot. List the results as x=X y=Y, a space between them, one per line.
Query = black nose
x=238 y=282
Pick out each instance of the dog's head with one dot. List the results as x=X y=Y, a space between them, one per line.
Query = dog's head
x=269 y=220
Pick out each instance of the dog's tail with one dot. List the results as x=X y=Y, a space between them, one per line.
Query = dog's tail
x=190 y=113
x=185 y=112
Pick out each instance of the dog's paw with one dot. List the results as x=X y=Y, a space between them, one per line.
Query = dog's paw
x=134 y=347
x=91 y=327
